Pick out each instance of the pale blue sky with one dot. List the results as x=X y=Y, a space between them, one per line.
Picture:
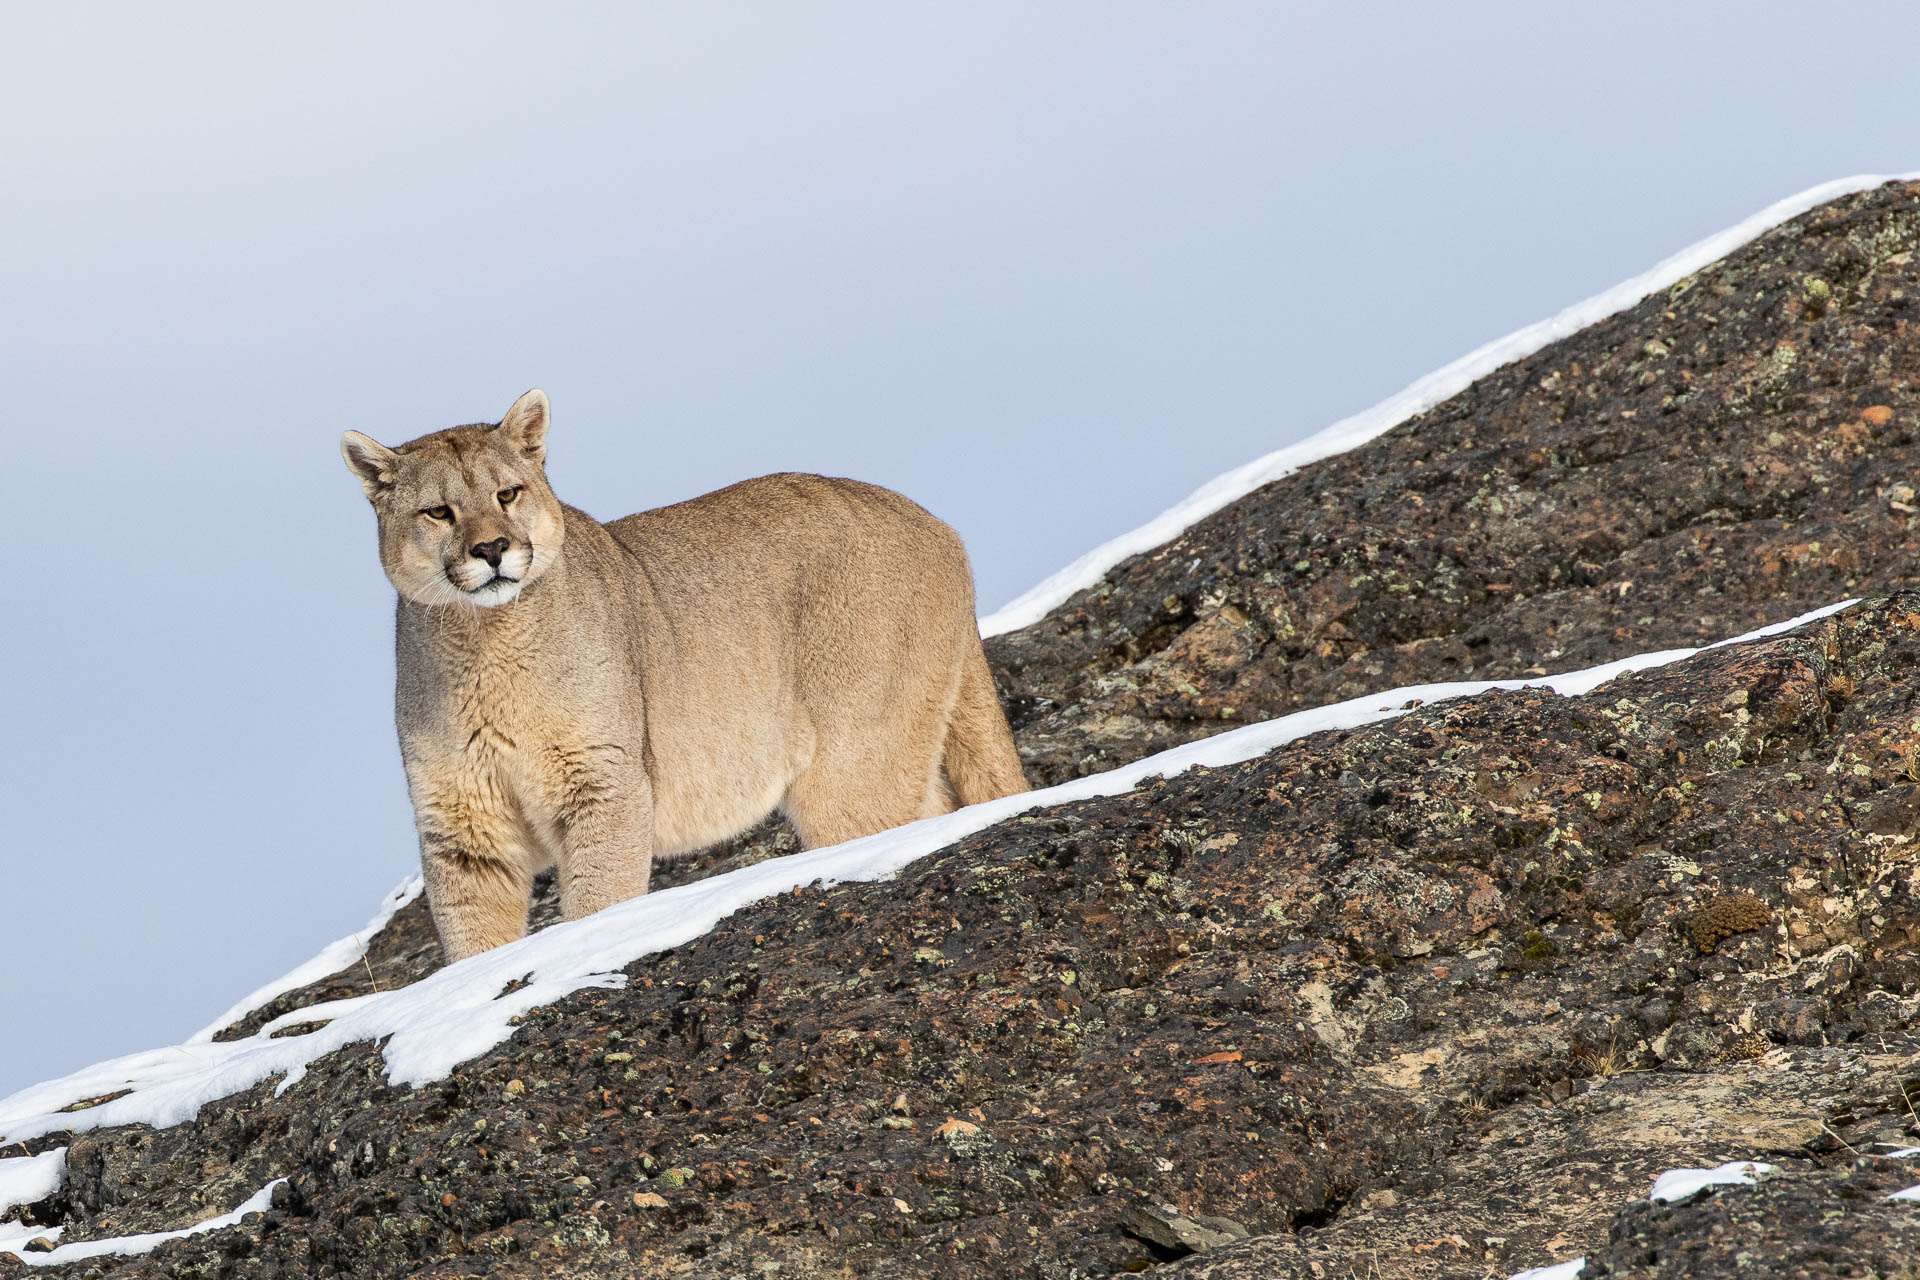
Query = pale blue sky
x=1045 y=268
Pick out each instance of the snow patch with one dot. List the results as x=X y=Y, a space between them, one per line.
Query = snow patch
x=1442 y=384
x=14 y=1237
x=128 y=1245
x=1558 y=1271
x=465 y=1009
x=25 y=1179
x=1904 y=1153
x=334 y=957
x=324 y=1011
x=1676 y=1185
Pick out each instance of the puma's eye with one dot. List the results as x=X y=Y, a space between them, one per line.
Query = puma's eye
x=438 y=513
x=507 y=496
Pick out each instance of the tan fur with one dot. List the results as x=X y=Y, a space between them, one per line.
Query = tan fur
x=608 y=693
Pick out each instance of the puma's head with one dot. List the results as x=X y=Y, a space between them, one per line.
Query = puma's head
x=466 y=516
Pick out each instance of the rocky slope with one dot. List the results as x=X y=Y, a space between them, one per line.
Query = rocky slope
x=1730 y=452
x=1434 y=998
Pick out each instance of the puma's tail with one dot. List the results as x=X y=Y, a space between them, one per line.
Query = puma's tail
x=980 y=758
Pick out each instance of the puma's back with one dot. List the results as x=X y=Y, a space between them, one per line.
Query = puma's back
x=591 y=695
x=825 y=621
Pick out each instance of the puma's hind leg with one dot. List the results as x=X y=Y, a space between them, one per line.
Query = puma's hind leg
x=855 y=788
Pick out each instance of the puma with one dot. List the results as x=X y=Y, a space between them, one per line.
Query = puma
x=591 y=696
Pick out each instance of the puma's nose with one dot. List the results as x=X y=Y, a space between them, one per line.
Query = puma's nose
x=490 y=551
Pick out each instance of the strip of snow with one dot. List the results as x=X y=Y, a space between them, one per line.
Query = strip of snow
x=324 y=1011
x=25 y=1179
x=332 y=958
x=1911 y=1193
x=463 y=1010
x=14 y=1236
x=1676 y=1185
x=1442 y=384
x=128 y=1245
x=1558 y=1271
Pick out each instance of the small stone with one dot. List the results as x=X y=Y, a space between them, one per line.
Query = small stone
x=39 y=1244
x=1166 y=1226
x=1818 y=295
x=1655 y=1016
x=649 y=1200
x=1831 y=974
x=515 y=1088
x=1791 y=1021
x=1877 y=414
x=613 y=1059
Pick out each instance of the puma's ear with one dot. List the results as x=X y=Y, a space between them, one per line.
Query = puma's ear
x=526 y=424
x=367 y=458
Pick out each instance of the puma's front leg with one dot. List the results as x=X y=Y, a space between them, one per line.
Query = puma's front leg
x=479 y=877
x=603 y=809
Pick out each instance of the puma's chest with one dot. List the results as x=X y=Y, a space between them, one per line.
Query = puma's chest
x=475 y=708
x=500 y=709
